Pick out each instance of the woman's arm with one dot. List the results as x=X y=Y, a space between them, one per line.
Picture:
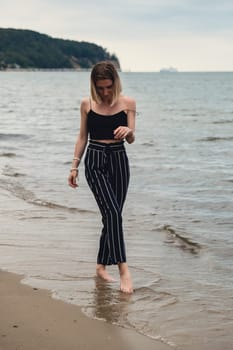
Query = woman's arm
x=127 y=132
x=131 y=113
x=80 y=144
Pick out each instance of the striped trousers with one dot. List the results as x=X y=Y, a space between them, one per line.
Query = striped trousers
x=107 y=174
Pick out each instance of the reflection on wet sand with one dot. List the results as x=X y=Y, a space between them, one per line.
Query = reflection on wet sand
x=109 y=303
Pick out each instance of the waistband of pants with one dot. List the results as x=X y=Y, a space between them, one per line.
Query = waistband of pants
x=114 y=146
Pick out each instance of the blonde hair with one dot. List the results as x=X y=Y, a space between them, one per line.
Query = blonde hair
x=105 y=70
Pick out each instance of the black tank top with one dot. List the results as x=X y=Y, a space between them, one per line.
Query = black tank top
x=101 y=127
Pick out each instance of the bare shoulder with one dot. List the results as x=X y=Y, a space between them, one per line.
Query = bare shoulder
x=85 y=105
x=129 y=103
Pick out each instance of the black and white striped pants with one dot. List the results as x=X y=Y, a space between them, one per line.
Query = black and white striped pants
x=107 y=174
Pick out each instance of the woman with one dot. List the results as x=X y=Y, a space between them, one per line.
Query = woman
x=108 y=118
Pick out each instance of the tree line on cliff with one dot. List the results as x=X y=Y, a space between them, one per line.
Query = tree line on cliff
x=21 y=48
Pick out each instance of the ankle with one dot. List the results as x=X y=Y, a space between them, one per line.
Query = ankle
x=100 y=267
x=123 y=268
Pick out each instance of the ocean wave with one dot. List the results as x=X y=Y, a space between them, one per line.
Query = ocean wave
x=195 y=114
x=142 y=318
x=28 y=196
x=9 y=171
x=137 y=311
x=223 y=121
x=162 y=299
x=43 y=217
x=8 y=154
x=180 y=241
x=15 y=245
x=52 y=205
x=7 y=136
x=148 y=143
x=216 y=138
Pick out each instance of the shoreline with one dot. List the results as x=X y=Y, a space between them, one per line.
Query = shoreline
x=32 y=319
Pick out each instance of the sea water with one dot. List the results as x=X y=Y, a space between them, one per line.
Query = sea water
x=178 y=220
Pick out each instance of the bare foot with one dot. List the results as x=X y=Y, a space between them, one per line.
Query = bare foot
x=126 y=284
x=103 y=274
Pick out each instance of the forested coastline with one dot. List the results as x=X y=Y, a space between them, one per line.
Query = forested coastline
x=27 y=49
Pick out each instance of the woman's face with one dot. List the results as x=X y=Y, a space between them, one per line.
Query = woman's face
x=104 y=88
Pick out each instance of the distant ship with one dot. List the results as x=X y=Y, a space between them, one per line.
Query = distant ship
x=168 y=70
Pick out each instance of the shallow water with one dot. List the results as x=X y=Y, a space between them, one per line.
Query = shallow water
x=178 y=214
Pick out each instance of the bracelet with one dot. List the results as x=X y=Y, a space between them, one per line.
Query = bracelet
x=76 y=169
x=77 y=158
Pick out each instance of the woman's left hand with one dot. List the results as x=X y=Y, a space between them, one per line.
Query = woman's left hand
x=121 y=132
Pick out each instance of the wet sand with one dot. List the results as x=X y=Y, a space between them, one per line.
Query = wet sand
x=31 y=319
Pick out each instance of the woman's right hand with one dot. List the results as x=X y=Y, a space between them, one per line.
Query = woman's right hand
x=72 y=179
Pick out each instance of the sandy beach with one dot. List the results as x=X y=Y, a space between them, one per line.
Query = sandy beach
x=32 y=319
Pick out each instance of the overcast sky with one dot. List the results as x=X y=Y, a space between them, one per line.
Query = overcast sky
x=146 y=35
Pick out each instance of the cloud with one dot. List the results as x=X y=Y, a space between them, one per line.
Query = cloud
x=185 y=52
x=140 y=32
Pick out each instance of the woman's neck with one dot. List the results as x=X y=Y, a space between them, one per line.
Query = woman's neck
x=108 y=102
x=107 y=107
